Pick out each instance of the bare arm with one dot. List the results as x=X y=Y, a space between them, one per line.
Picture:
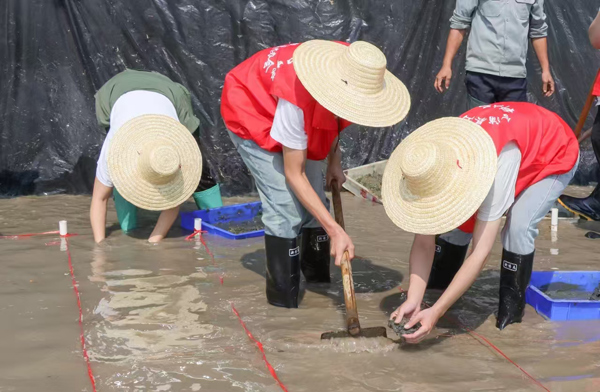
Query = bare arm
x=420 y=262
x=100 y=196
x=164 y=223
x=540 y=45
x=483 y=239
x=443 y=78
x=294 y=166
x=594 y=32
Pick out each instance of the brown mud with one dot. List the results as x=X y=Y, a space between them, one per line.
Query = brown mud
x=157 y=318
x=253 y=224
x=560 y=290
x=372 y=182
x=399 y=327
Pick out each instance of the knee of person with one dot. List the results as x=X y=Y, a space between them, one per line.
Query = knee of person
x=281 y=226
x=520 y=237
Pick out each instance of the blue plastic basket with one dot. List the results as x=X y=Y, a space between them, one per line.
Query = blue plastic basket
x=234 y=213
x=564 y=309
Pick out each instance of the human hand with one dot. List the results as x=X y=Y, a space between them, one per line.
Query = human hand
x=428 y=319
x=340 y=243
x=547 y=84
x=409 y=309
x=442 y=80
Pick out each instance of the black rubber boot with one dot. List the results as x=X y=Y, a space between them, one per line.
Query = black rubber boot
x=315 y=256
x=447 y=261
x=587 y=208
x=283 y=271
x=515 y=273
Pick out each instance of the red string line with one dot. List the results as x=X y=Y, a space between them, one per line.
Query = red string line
x=81 y=333
x=260 y=348
x=258 y=343
x=17 y=236
x=212 y=256
x=476 y=335
x=195 y=233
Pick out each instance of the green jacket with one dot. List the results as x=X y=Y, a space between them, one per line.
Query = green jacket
x=131 y=80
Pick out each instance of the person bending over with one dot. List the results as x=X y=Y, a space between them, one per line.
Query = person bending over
x=457 y=178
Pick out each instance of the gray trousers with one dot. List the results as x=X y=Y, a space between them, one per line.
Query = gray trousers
x=520 y=229
x=283 y=214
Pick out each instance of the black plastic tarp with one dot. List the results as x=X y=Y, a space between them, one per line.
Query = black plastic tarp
x=54 y=54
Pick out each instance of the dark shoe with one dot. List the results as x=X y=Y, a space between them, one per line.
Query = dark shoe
x=283 y=271
x=447 y=261
x=315 y=256
x=587 y=208
x=515 y=274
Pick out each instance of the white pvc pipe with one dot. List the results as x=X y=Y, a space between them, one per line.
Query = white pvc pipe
x=62 y=227
x=554 y=221
x=198 y=224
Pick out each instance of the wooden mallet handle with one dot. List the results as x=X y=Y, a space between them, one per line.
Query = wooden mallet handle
x=352 y=322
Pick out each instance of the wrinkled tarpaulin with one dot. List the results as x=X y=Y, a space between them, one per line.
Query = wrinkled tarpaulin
x=54 y=54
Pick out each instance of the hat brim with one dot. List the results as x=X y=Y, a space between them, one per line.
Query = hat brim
x=124 y=152
x=315 y=65
x=472 y=176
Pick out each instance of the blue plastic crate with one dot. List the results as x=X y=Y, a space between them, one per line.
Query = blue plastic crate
x=234 y=213
x=566 y=309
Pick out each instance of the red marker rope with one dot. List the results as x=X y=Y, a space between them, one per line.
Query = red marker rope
x=17 y=236
x=195 y=233
x=81 y=333
x=258 y=343
x=476 y=335
x=260 y=348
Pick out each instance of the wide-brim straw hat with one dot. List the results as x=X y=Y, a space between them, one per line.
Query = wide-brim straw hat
x=437 y=178
x=352 y=82
x=154 y=162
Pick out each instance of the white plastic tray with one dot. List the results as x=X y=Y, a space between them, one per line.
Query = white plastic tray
x=352 y=186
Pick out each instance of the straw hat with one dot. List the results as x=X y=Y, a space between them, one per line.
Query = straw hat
x=154 y=162
x=437 y=178
x=352 y=82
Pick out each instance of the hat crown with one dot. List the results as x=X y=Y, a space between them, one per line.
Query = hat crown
x=159 y=162
x=426 y=169
x=363 y=67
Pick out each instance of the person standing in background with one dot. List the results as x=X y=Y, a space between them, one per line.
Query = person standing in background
x=497 y=49
x=589 y=207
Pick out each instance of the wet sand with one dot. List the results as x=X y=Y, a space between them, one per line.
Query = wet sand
x=156 y=317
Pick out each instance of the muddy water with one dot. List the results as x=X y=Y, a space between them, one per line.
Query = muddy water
x=157 y=318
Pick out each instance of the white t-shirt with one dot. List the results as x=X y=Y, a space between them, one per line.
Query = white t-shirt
x=288 y=126
x=127 y=107
x=502 y=195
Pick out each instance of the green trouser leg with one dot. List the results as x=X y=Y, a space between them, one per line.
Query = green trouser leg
x=210 y=198
x=126 y=212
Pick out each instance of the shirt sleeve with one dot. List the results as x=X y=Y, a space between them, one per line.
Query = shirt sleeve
x=102 y=108
x=538 y=28
x=102 y=173
x=185 y=112
x=502 y=195
x=463 y=14
x=288 y=126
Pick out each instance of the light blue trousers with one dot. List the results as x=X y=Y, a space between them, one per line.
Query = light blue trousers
x=283 y=214
x=520 y=229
